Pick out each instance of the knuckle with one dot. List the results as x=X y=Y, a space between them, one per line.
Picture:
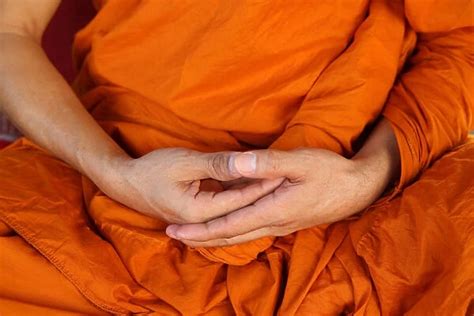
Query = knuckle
x=272 y=161
x=208 y=228
x=217 y=166
x=226 y=242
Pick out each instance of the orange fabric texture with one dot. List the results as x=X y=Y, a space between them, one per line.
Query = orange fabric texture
x=239 y=75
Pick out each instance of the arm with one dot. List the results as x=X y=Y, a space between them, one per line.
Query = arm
x=348 y=95
x=428 y=112
x=37 y=99
x=164 y=184
x=430 y=107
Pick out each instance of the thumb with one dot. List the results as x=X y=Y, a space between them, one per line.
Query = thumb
x=265 y=164
x=217 y=166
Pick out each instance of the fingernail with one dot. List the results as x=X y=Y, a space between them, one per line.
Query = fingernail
x=171 y=231
x=246 y=162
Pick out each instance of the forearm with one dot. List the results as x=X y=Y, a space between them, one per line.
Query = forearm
x=379 y=159
x=42 y=105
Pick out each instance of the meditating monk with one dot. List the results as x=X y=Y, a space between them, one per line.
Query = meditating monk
x=240 y=157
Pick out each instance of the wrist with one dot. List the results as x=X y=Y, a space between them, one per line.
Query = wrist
x=108 y=171
x=374 y=175
x=379 y=159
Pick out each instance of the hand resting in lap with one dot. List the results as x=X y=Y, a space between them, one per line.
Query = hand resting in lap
x=319 y=187
x=166 y=184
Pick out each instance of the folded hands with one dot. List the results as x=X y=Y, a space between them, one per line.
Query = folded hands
x=226 y=198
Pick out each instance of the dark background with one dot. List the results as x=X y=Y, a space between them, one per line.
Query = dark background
x=70 y=17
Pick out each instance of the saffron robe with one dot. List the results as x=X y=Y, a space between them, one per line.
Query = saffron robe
x=238 y=75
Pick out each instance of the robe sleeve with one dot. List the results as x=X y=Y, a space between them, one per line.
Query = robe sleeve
x=350 y=93
x=430 y=106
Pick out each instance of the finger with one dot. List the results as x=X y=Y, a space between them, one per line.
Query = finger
x=266 y=164
x=226 y=166
x=193 y=165
x=216 y=204
x=223 y=242
x=216 y=166
x=250 y=218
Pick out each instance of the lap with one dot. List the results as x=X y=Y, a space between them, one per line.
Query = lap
x=30 y=285
x=418 y=246
x=411 y=251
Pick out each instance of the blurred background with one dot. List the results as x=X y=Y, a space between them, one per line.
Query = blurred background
x=71 y=16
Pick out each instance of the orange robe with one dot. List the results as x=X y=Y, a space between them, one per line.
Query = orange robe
x=238 y=75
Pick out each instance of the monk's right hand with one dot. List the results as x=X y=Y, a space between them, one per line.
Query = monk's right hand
x=166 y=184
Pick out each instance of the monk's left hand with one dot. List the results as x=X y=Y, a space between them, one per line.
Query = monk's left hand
x=319 y=187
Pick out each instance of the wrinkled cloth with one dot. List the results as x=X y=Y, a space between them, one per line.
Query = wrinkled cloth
x=240 y=75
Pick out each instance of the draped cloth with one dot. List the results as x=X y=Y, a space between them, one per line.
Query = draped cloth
x=239 y=75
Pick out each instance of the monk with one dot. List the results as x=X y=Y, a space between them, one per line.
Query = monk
x=240 y=158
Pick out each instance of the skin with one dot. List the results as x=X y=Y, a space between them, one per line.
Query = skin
x=209 y=199
x=48 y=112
x=319 y=187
